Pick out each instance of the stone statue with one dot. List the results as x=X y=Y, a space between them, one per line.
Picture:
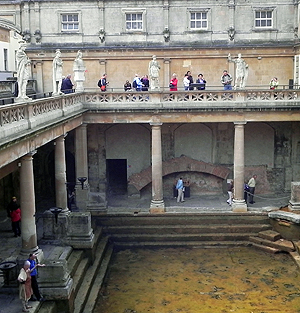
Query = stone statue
x=57 y=72
x=241 y=72
x=79 y=70
x=23 y=72
x=78 y=62
x=154 y=74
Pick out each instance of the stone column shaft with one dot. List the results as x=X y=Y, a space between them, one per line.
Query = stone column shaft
x=157 y=202
x=60 y=174
x=239 y=204
x=27 y=197
x=81 y=160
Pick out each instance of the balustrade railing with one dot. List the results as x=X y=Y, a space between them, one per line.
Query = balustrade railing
x=28 y=115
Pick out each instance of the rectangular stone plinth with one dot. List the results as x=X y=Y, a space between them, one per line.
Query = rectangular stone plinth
x=80 y=233
x=54 y=274
x=295 y=194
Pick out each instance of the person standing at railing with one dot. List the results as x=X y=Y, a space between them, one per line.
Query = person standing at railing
x=186 y=82
x=173 y=83
x=191 y=80
x=102 y=83
x=201 y=81
x=67 y=85
x=226 y=80
x=274 y=83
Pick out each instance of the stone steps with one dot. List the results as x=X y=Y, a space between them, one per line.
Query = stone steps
x=179 y=219
x=190 y=229
x=96 y=288
x=180 y=237
x=271 y=241
x=88 y=276
x=181 y=244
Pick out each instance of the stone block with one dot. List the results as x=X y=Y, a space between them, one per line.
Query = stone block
x=80 y=233
x=269 y=235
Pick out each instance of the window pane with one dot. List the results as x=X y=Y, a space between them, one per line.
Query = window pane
x=193 y=24
x=269 y=23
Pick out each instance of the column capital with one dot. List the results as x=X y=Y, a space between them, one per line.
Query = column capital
x=240 y=123
x=155 y=123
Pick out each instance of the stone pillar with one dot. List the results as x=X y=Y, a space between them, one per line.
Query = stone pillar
x=39 y=77
x=97 y=168
x=157 y=203
x=294 y=203
x=167 y=74
x=239 y=204
x=27 y=196
x=81 y=166
x=102 y=68
x=60 y=174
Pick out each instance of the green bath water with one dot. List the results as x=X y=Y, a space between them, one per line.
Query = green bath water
x=242 y=280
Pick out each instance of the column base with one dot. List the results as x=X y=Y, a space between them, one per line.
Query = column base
x=294 y=206
x=24 y=254
x=157 y=206
x=239 y=206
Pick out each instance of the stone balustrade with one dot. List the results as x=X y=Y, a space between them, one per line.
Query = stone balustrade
x=25 y=117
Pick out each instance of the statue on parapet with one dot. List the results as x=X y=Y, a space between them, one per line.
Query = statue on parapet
x=241 y=72
x=23 y=72
x=154 y=73
x=57 y=68
x=79 y=70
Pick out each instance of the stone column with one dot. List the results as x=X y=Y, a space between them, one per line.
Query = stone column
x=60 y=174
x=239 y=204
x=81 y=166
x=157 y=202
x=102 y=68
x=39 y=77
x=27 y=197
x=167 y=74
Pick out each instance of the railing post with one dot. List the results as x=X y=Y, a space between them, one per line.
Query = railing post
x=29 y=110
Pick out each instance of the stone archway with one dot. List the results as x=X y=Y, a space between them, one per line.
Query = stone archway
x=138 y=181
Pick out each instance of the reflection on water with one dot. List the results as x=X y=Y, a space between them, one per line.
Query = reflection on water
x=200 y=281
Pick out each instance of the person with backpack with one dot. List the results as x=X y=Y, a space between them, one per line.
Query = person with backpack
x=102 y=83
x=137 y=83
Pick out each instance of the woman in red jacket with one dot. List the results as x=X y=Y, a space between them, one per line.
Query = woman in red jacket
x=15 y=216
x=173 y=83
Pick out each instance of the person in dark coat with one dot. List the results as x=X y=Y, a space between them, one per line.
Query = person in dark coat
x=67 y=85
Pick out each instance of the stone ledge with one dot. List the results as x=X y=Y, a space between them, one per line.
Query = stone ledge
x=288 y=216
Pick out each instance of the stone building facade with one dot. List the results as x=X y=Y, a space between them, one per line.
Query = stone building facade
x=119 y=38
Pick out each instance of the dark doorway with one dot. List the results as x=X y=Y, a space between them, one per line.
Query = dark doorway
x=116 y=170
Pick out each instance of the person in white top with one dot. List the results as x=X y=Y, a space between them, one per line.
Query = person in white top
x=186 y=82
x=251 y=184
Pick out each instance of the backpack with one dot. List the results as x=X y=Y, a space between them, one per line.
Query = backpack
x=134 y=84
x=100 y=83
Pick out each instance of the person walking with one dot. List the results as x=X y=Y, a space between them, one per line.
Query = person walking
x=179 y=187
x=226 y=80
x=25 y=289
x=34 y=284
x=251 y=184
